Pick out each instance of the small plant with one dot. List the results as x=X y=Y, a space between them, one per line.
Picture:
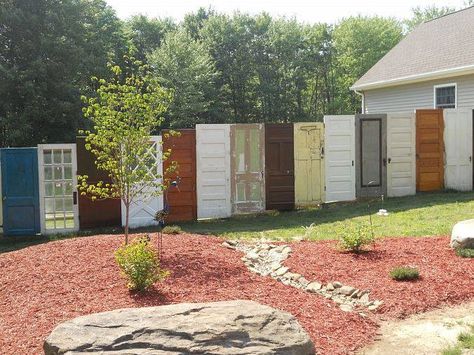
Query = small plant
x=405 y=273
x=308 y=231
x=140 y=264
x=356 y=237
x=465 y=252
x=465 y=342
x=172 y=230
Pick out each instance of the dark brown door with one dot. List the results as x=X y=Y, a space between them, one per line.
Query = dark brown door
x=429 y=150
x=181 y=200
x=279 y=167
x=94 y=214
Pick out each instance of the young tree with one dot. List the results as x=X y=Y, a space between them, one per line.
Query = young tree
x=125 y=111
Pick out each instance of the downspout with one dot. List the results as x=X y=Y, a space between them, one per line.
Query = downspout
x=363 y=100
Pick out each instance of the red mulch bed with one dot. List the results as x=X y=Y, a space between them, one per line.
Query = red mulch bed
x=446 y=279
x=43 y=285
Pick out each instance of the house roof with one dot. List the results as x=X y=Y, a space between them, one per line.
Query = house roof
x=436 y=49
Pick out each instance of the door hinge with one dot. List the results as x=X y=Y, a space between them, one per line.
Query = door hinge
x=324 y=187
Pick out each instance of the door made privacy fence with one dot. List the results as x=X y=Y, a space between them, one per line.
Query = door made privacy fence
x=228 y=169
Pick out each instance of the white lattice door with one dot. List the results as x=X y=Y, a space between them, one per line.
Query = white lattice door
x=58 y=188
x=143 y=208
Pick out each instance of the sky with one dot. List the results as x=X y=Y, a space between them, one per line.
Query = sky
x=329 y=11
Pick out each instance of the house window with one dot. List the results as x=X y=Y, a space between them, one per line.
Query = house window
x=445 y=96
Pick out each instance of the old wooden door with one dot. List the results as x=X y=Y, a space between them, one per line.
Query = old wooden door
x=429 y=150
x=181 y=199
x=213 y=170
x=309 y=163
x=19 y=175
x=98 y=213
x=458 y=149
x=401 y=154
x=371 y=155
x=143 y=208
x=247 y=162
x=279 y=166
x=58 y=188
x=339 y=157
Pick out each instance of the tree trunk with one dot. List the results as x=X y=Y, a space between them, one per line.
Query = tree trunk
x=127 y=209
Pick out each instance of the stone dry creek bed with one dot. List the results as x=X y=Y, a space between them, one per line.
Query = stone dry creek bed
x=267 y=259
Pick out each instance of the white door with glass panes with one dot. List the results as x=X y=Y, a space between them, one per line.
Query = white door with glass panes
x=58 y=188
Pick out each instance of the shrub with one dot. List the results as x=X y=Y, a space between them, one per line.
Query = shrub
x=140 y=264
x=355 y=238
x=405 y=273
x=465 y=252
x=172 y=230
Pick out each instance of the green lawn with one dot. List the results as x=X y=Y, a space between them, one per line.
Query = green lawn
x=420 y=215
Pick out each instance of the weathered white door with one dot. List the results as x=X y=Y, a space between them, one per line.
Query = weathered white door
x=143 y=209
x=58 y=188
x=213 y=170
x=339 y=159
x=401 y=154
x=458 y=149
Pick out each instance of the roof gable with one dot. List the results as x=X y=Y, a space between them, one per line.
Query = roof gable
x=441 y=45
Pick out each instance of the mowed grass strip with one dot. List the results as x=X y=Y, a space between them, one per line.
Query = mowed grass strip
x=426 y=214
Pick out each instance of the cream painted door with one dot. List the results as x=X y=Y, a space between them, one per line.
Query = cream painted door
x=458 y=149
x=309 y=163
x=401 y=154
x=213 y=170
x=247 y=168
x=143 y=209
x=59 y=211
x=339 y=133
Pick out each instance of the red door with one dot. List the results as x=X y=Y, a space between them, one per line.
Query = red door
x=181 y=199
x=95 y=214
x=279 y=167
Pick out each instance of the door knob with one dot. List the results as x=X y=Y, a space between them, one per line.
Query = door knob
x=389 y=160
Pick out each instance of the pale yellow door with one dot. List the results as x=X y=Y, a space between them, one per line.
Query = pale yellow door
x=309 y=163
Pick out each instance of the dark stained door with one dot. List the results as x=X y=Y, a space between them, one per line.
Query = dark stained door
x=95 y=214
x=429 y=150
x=181 y=199
x=279 y=166
x=371 y=155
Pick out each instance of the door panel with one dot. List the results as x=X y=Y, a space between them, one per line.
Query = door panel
x=143 y=209
x=213 y=170
x=429 y=150
x=95 y=214
x=279 y=166
x=371 y=155
x=181 y=200
x=401 y=153
x=247 y=161
x=309 y=164
x=339 y=158
x=58 y=188
x=20 y=195
x=458 y=149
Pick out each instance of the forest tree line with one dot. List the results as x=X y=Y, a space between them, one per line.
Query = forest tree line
x=219 y=68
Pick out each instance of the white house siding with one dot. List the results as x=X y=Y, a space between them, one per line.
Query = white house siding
x=417 y=96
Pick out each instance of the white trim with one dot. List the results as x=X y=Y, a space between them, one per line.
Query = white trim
x=42 y=192
x=410 y=79
x=446 y=86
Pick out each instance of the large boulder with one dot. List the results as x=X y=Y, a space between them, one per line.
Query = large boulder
x=462 y=235
x=233 y=327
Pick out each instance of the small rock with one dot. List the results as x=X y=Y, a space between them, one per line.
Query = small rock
x=251 y=255
x=365 y=298
x=337 y=284
x=228 y=245
x=330 y=287
x=346 y=290
x=313 y=287
x=275 y=266
x=346 y=307
x=281 y=271
x=293 y=276
x=355 y=294
x=302 y=280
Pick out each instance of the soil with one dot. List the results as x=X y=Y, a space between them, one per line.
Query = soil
x=43 y=285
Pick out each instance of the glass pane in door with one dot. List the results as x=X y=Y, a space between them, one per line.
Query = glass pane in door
x=58 y=187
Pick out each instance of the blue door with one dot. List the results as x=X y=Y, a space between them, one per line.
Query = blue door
x=20 y=191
